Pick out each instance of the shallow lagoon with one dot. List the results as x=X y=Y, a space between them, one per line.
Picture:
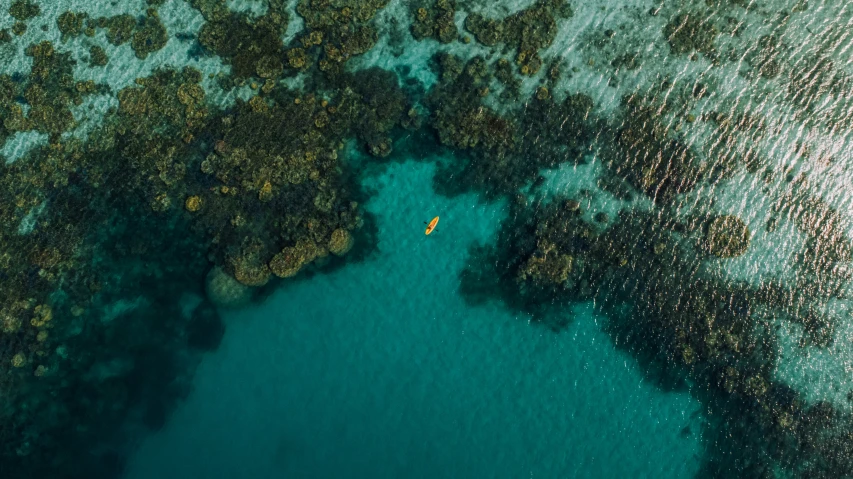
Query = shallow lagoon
x=381 y=370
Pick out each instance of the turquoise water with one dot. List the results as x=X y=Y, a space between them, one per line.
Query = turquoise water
x=698 y=156
x=381 y=370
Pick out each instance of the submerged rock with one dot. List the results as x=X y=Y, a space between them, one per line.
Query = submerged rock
x=546 y=266
x=341 y=242
x=225 y=291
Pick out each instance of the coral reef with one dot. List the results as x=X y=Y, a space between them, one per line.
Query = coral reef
x=187 y=199
x=544 y=258
x=293 y=258
x=252 y=48
x=689 y=32
x=767 y=59
x=679 y=325
x=435 y=21
x=528 y=31
x=499 y=156
x=546 y=266
x=119 y=28
x=150 y=36
x=70 y=24
x=727 y=237
x=50 y=91
x=652 y=161
x=344 y=29
x=24 y=10
x=19 y=28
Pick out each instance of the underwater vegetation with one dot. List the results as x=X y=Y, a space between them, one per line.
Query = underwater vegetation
x=684 y=329
x=527 y=31
x=687 y=33
x=502 y=151
x=688 y=328
x=727 y=237
x=181 y=190
x=650 y=155
x=435 y=21
x=119 y=246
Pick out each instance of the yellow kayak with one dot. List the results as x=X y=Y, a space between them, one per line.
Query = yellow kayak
x=431 y=225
